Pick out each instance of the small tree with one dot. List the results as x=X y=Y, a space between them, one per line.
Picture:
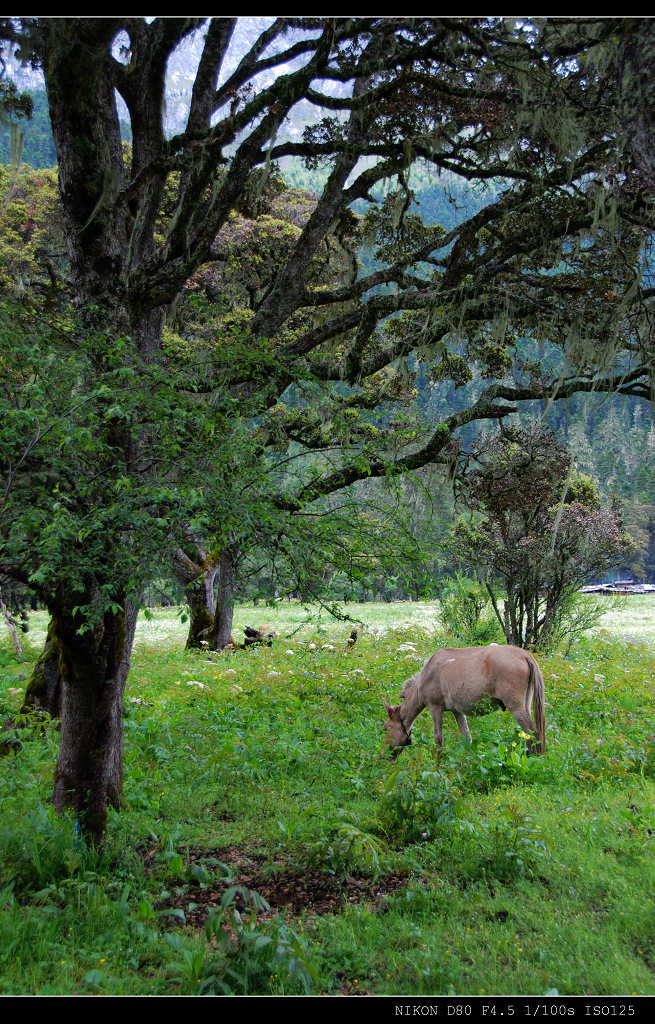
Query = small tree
x=535 y=533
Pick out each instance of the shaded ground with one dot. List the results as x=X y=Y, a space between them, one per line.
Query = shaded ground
x=286 y=891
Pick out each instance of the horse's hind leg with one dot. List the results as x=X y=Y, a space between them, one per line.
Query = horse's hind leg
x=524 y=718
x=463 y=726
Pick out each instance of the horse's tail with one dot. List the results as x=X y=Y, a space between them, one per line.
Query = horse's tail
x=535 y=694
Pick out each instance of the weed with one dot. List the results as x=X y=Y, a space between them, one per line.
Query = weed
x=346 y=849
x=493 y=761
x=512 y=846
x=466 y=611
x=236 y=956
x=414 y=803
x=43 y=852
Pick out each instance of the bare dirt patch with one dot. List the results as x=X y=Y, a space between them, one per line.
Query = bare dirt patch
x=288 y=891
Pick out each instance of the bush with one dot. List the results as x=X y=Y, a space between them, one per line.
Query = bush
x=506 y=849
x=467 y=613
x=415 y=804
x=45 y=851
x=237 y=956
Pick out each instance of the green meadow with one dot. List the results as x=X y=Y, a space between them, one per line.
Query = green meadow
x=267 y=846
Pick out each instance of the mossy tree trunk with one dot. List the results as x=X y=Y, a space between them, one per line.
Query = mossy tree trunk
x=93 y=665
x=11 y=625
x=221 y=635
x=44 y=687
x=202 y=605
x=202 y=573
x=196 y=568
x=43 y=690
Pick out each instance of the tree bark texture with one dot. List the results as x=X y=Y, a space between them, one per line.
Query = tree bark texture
x=11 y=624
x=196 y=569
x=637 y=93
x=86 y=131
x=93 y=669
x=43 y=690
x=202 y=606
x=221 y=636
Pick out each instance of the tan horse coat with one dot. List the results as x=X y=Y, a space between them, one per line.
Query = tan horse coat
x=455 y=678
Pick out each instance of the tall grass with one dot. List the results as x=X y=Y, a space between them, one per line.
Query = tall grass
x=520 y=875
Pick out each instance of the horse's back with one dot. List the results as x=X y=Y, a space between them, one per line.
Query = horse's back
x=480 y=659
x=455 y=677
x=458 y=676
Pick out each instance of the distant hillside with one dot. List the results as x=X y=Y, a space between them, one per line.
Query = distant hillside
x=39 y=146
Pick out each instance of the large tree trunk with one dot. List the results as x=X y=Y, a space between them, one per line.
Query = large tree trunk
x=637 y=92
x=221 y=636
x=93 y=671
x=86 y=132
x=43 y=690
x=109 y=233
x=195 y=568
x=202 y=606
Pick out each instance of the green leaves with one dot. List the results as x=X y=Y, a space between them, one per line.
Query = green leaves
x=467 y=613
x=238 y=956
x=415 y=803
x=100 y=457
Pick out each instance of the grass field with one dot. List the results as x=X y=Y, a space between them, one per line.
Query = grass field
x=268 y=847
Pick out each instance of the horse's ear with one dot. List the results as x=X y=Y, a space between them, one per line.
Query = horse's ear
x=388 y=708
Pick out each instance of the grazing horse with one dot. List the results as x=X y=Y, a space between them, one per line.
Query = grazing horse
x=455 y=679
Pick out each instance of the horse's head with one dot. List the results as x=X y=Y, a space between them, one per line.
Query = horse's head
x=397 y=735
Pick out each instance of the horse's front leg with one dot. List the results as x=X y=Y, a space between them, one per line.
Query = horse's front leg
x=463 y=726
x=437 y=718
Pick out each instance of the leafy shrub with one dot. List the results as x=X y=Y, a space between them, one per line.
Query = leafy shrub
x=613 y=757
x=43 y=851
x=415 y=803
x=467 y=613
x=506 y=849
x=577 y=614
x=485 y=765
x=341 y=849
x=346 y=849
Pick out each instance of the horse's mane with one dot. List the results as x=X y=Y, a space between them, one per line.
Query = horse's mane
x=408 y=684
